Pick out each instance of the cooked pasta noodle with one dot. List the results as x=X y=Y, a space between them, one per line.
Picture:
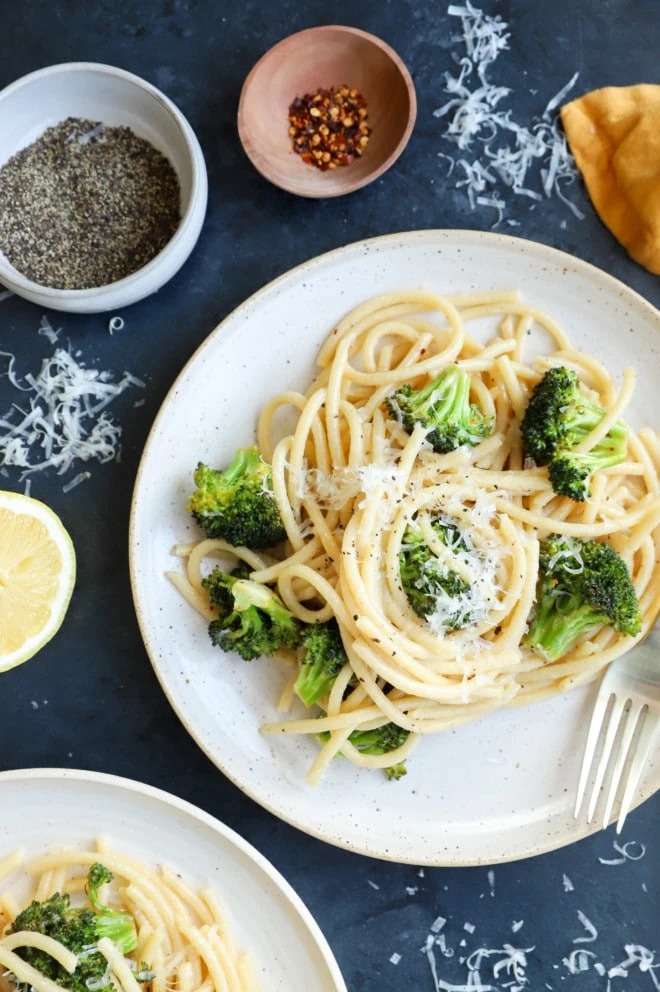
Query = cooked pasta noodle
x=184 y=936
x=349 y=479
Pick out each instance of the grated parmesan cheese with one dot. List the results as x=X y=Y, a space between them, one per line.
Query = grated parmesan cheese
x=76 y=481
x=115 y=324
x=592 y=933
x=532 y=162
x=624 y=852
x=46 y=330
x=60 y=419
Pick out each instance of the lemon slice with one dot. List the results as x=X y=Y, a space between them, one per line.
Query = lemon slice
x=37 y=575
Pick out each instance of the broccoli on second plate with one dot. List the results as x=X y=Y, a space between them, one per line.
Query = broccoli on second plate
x=238 y=504
x=558 y=417
x=582 y=585
x=78 y=930
x=443 y=407
x=426 y=580
x=253 y=620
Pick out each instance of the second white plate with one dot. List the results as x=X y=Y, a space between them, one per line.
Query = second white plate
x=42 y=809
x=494 y=790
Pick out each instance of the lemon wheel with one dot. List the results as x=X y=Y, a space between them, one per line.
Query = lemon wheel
x=37 y=575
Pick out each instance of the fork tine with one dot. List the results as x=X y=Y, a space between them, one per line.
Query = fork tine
x=608 y=744
x=590 y=747
x=641 y=754
x=626 y=740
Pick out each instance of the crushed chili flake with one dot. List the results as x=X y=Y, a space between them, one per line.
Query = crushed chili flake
x=329 y=128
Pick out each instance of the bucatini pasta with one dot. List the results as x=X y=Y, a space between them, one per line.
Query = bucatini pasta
x=349 y=479
x=183 y=936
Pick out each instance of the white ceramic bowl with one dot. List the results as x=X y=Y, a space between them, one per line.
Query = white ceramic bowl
x=105 y=93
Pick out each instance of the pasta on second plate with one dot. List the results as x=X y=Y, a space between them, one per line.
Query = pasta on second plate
x=181 y=938
x=352 y=479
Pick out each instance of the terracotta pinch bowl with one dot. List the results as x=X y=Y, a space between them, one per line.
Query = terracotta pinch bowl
x=327 y=56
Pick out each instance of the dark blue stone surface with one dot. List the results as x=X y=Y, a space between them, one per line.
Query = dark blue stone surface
x=99 y=704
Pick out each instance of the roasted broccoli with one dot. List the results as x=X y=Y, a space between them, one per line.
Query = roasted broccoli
x=582 y=585
x=218 y=585
x=387 y=738
x=427 y=581
x=238 y=504
x=558 y=417
x=444 y=409
x=253 y=620
x=323 y=659
x=78 y=929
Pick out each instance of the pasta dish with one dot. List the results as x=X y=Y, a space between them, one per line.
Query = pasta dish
x=450 y=527
x=104 y=922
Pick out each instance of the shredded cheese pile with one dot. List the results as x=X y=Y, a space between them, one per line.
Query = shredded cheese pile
x=60 y=417
x=532 y=162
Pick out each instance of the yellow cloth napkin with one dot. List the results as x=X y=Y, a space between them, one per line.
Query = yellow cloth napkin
x=614 y=134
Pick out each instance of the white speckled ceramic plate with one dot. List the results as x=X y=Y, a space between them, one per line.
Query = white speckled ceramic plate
x=498 y=789
x=45 y=808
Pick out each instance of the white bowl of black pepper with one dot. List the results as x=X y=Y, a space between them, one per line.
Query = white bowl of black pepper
x=103 y=188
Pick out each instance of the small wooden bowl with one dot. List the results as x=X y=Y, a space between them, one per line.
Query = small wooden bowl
x=324 y=57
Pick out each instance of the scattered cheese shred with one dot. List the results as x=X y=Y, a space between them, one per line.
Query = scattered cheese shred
x=491 y=882
x=77 y=479
x=625 y=853
x=46 y=330
x=592 y=933
x=60 y=419
x=115 y=324
x=511 y=155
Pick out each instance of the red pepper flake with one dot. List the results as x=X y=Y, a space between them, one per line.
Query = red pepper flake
x=329 y=128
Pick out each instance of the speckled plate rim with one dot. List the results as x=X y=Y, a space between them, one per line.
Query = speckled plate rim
x=580 y=828
x=168 y=799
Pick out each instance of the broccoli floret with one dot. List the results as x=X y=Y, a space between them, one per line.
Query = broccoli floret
x=387 y=738
x=444 y=409
x=118 y=926
x=218 y=585
x=425 y=578
x=582 y=585
x=570 y=472
x=558 y=417
x=322 y=661
x=238 y=504
x=77 y=929
x=255 y=621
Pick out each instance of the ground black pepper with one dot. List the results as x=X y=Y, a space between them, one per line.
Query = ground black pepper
x=85 y=205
